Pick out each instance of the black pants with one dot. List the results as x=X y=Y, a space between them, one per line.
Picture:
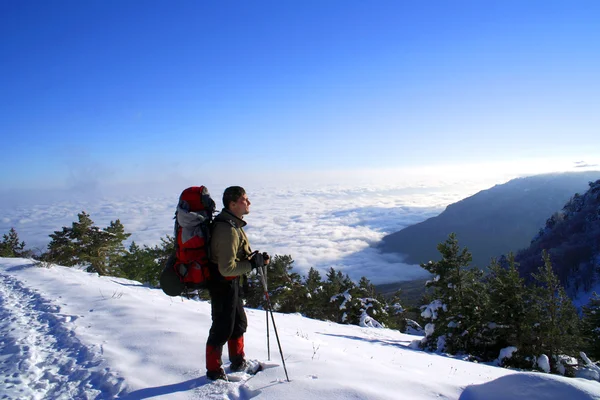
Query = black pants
x=228 y=316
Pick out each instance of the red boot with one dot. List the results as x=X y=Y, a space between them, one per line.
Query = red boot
x=213 y=363
x=236 y=354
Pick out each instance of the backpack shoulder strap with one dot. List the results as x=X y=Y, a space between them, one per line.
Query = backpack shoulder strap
x=225 y=221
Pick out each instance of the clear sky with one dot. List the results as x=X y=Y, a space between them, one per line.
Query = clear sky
x=130 y=90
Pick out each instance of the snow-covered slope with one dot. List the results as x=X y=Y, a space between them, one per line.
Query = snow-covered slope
x=67 y=334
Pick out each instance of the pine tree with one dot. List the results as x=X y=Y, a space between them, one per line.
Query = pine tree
x=86 y=244
x=145 y=264
x=286 y=291
x=61 y=249
x=94 y=251
x=160 y=255
x=396 y=313
x=506 y=313
x=313 y=305
x=83 y=239
x=254 y=293
x=363 y=306
x=335 y=292
x=139 y=264
x=285 y=288
x=114 y=244
x=130 y=263
x=552 y=317
x=82 y=231
x=456 y=314
x=590 y=327
x=10 y=245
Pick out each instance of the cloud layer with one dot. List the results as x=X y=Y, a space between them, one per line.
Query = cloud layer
x=322 y=227
x=318 y=223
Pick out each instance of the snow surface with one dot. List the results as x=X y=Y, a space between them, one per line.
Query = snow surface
x=68 y=334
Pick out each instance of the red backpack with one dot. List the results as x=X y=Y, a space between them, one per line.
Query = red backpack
x=189 y=267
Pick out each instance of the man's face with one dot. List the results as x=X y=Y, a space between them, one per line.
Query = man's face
x=241 y=207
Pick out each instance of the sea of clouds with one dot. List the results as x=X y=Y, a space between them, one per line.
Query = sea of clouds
x=319 y=223
x=321 y=227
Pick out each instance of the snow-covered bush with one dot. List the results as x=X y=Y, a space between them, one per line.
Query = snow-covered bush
x=543 y=363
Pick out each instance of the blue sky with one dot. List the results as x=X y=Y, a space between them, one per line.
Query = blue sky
x=138 y=90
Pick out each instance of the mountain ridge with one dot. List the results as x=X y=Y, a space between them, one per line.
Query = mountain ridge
x=492 y=222
x=571 y=236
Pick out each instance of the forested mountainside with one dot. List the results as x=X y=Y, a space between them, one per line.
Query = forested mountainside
x=572 y=238
x=492 y=222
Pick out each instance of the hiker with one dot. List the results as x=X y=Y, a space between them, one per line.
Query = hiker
x=230 y=252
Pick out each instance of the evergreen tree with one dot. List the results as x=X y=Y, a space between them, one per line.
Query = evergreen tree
x=61 y=249
x=139 y=264
x=254 y=293
x=145 y=264
x=114 y=242
x=160 y=254
x=456 y=314
x=362 y=306
x=396 y=313
x=367 y=287
x=86 y=244
x=506 y=313
x=335 y=292
x=94 y=252
x=315 y=295
x=165 y=249
x=552 y=317
x=590 y=327
x=130 y=262
x=77 y=244
x=285 y=288
x=11 y=246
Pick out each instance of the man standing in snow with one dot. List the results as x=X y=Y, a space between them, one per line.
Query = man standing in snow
x=230 y=252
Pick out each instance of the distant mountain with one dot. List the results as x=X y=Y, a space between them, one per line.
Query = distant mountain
x=492 y=222
x=572 y=238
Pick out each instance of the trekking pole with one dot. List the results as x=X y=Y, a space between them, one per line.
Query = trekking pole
x=270 y=309
x=268 y=344
x=264 y=272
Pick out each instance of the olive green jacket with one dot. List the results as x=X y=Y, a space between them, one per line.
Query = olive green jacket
x=229 y=245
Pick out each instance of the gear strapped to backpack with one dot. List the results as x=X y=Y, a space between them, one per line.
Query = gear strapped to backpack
x=189 y=267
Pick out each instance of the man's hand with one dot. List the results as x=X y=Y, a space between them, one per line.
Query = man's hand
x=266 y=258
x=257 y=260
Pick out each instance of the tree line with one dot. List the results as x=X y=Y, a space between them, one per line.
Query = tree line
x=465 y=311
x=477 y=313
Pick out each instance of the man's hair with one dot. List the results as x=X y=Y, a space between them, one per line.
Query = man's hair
x=232 y=193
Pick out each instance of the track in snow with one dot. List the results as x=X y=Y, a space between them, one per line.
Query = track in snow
x=40 y=356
